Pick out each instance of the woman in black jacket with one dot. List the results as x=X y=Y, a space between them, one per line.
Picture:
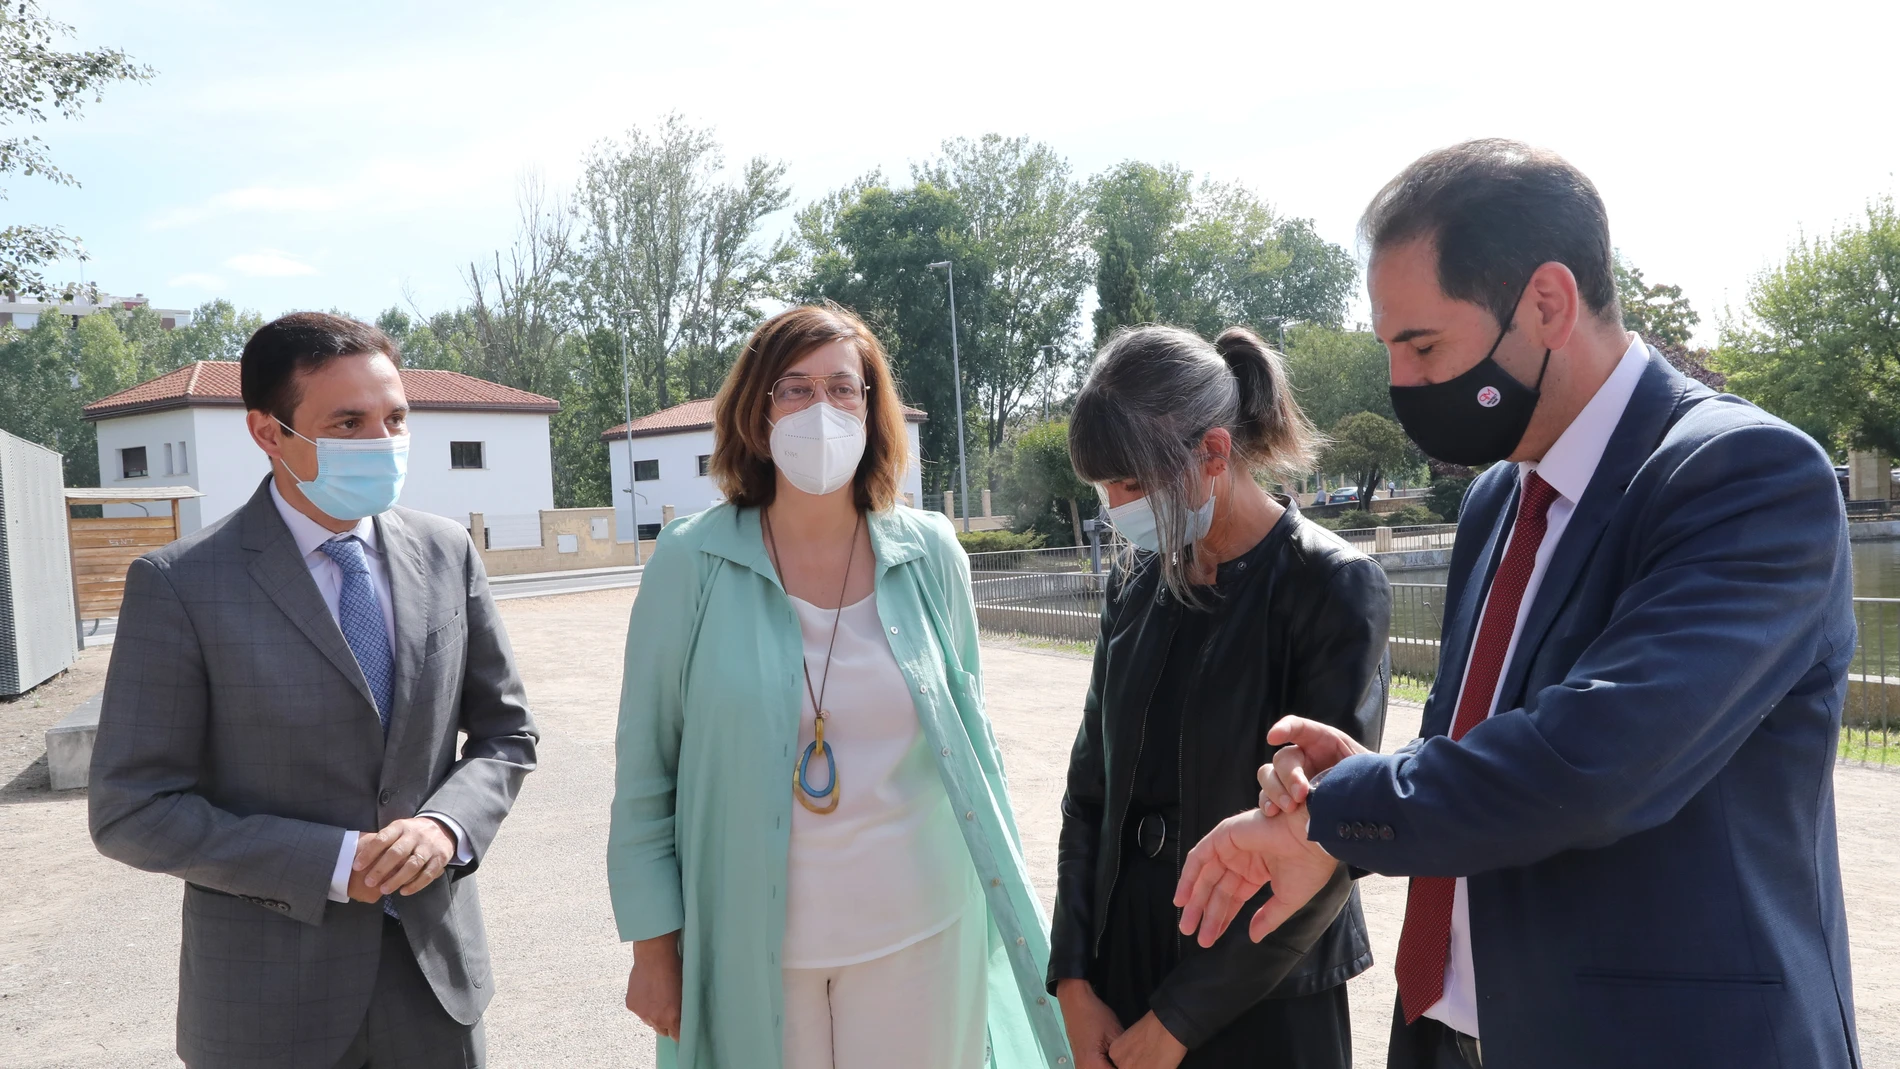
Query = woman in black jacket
x=1232 y=612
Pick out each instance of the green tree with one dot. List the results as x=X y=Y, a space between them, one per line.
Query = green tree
x=1216 y=255
x=43 y=369
x=1336 y=373
x=668 y=251
x=869 y=253
x=1660 y=314
x=1366 y=446
x=1120 y=299
x=1041 y=489
x=217 y=331
x=37 y=80
x=1819 y=345
x=1025 y=218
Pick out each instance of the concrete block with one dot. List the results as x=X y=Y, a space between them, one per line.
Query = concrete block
x=69 y=745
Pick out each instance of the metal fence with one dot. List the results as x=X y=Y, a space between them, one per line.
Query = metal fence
x=1418 y=616
x=1067 y=607
x=1870 y=722
x=1056 y=559
x=1401 y=539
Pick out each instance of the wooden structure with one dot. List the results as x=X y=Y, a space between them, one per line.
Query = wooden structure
x=104 y=547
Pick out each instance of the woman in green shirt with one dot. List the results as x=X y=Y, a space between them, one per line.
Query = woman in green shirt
x=812 y=847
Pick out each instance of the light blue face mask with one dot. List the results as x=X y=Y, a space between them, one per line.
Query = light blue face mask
x=1135 y=521
x=356 y=477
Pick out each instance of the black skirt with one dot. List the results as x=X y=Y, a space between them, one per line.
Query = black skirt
x=1141 y=946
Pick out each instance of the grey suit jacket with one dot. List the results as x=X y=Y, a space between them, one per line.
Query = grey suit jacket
x=238 y=742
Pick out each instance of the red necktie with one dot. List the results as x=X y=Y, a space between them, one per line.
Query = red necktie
x=1425 y=940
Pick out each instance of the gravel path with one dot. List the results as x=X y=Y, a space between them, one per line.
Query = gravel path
x=88 y=948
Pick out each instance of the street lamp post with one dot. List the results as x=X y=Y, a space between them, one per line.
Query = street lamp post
x=626 y=389
x=1045 y=382
x=956 y=369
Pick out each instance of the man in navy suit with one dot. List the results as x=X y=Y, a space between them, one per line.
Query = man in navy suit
x=1619 y=819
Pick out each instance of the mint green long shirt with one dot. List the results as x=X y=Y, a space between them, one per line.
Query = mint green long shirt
x=709 y=720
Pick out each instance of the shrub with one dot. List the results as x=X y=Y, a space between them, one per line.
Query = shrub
x=995 y=541
x=1353 y=520
x=1446 y=496
x=1411 y=516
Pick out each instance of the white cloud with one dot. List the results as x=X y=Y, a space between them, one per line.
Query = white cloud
x=268 y=263
x=197 y=280
x=252 y=199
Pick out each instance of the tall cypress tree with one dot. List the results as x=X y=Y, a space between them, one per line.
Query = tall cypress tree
x=1121 y=300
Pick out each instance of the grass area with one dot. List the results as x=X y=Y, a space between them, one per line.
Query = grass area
x=1860 y=746
x=1405 y=689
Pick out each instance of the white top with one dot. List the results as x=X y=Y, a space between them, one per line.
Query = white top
x=889 y=866
x=310 y=537
x=1568 y=467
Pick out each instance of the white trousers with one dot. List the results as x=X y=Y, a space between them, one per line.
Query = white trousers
x=920 y=1007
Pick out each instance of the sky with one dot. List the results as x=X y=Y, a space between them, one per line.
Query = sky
x=359 y=155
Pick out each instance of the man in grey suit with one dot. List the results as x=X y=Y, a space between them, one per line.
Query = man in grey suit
x=280 y=731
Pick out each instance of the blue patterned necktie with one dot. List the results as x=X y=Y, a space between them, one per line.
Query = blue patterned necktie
x=361 y=618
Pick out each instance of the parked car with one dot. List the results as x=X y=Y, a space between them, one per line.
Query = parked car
x=1343 y=495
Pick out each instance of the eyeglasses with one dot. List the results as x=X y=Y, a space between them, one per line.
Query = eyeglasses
x=796 y=392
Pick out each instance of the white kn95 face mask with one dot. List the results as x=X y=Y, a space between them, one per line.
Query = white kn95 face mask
x=818 y=448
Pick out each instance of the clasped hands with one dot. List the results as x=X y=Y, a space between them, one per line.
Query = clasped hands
x=1269 y=844
x=403 y=858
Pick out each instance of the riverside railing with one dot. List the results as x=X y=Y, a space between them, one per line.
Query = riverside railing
x=1067 y=607
x=1401 y=539
x=1054 y=559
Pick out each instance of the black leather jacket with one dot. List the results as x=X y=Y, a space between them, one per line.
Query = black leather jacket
x=1305 y=635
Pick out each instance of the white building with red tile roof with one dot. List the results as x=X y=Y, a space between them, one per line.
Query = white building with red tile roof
x=475 y=446
x=671 y=449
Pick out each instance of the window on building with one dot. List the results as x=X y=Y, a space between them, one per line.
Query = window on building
x=645 y=471
x=184 y=466
x=168 y=458
x=705 y=465
x=132 y=463
x=650 y=531
x=465 y=455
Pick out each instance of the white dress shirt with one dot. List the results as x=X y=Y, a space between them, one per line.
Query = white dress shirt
x=1568 y=467
x=310 y=537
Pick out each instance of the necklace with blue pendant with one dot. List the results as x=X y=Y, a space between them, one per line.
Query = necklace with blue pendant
x=816 y=799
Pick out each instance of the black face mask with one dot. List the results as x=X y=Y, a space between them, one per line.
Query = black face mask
x=1476 y=418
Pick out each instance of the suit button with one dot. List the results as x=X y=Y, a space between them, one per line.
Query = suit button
x=283 y=907
x=1345 y=830
x=1385 y=832
x=1358 y=831
x=385 y=798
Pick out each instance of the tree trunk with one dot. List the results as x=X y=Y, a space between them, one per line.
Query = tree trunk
x=1075 y=517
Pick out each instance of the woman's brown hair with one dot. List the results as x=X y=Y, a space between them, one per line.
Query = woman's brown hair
x=742 y=429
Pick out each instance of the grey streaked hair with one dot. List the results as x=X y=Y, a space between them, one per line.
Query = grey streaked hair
x=1151 y=397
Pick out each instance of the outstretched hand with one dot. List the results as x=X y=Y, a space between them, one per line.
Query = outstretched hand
x=1241 y=855
x=1307 y=748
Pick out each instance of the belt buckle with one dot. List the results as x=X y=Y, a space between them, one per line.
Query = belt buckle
x=1160 y=838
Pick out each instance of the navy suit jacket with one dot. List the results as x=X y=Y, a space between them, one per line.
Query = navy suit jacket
x=1647 y=822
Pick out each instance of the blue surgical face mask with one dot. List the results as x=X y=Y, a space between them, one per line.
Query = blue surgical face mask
x=1135 y=520
x=356 y=477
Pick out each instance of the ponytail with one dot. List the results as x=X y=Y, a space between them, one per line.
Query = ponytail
x=1270 y=431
